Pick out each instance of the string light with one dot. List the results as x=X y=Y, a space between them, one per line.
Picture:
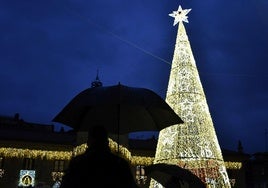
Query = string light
x=141 y=160
x=32 y=153
x=192 y=145
x=123 y=151
x=233 y=165
x=67 y=155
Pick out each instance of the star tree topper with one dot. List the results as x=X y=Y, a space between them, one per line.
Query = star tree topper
x=180 y=15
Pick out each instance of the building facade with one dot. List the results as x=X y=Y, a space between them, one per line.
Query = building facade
x=257 y=171
x=34 y=155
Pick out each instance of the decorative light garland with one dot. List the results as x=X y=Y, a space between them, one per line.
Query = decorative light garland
x=139 y=160
x=123 y=151
x=233 y=165
x=31 y=153
x=78 y=150
x=67 y=155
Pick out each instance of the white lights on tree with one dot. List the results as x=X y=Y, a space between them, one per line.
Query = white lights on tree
x=192 y=145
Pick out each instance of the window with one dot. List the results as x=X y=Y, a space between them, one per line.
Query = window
x=2 y=171
x=262 y=171
x=59 y=166
x=28 y=164
x=140 y=175
x=1 y=162
x=58 y=171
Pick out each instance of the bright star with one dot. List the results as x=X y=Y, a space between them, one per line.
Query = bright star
x=180 y=15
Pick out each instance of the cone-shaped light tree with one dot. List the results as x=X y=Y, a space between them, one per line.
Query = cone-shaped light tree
x=194 y=144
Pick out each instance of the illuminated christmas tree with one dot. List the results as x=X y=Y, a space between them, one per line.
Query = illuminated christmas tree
x=194 y=144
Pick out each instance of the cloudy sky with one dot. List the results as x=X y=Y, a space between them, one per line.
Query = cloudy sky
x=51 y=50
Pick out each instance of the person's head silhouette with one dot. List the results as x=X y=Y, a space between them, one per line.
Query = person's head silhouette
x=98 y=166
x=97 y=137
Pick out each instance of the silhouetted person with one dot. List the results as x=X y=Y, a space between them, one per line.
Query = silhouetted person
x=98 y=167
x=174 y=182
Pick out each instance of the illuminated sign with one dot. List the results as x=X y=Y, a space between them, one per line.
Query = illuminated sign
x=27 y=178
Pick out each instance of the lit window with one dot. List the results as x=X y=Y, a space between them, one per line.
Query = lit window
x=58 y=172
x=2 y=171
x=27 y=178
x=140 y=175
x=1 y=162
x=28 y=164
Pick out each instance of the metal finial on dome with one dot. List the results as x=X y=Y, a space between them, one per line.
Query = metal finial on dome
x=97 y=82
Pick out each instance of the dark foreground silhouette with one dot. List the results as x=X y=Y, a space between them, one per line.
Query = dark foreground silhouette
x=98 y=167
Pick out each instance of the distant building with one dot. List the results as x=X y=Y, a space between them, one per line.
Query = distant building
x=257 y=171
x=235 y=164
x=32 y=154
x=35 y=155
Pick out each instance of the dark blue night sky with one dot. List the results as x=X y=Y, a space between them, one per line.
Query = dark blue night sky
x=51 y=50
